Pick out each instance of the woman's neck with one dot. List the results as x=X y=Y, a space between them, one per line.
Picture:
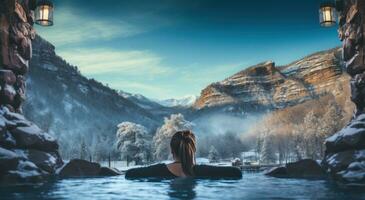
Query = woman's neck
x=176 y=160
x=176 y=168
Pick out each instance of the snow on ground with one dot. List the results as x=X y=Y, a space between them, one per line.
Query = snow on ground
x=21 y=153
x=83 y=88
x=360 y=154
x=49 y=67
x=35 y=130
x=4 y=153
x=353 y=176
x=26 y=169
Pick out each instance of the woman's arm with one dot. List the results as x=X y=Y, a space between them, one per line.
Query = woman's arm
x=158 y=170
x=208 y=171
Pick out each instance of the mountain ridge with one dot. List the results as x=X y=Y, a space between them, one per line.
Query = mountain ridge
x=276 y=86
x=72 y=107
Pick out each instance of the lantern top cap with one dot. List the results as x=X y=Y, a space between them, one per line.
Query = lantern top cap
x=328 y=4
x=45 y=3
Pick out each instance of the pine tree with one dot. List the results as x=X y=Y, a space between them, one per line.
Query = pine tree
x=83 y=150
x=268 y=151
x=213 y=154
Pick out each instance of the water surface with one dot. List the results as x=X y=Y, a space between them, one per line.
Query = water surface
x=251 y=186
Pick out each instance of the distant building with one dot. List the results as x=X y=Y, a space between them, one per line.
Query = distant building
x=249 y=156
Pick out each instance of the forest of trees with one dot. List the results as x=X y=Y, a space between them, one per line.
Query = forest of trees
x=281 y=136
x=135 y=144
x=286 y=136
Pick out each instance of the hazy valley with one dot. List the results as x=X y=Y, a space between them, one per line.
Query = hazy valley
x=73 y=108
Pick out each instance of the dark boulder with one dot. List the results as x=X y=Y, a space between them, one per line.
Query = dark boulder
x=27 y=154
x=9 y=160
x=48 y=162
x=338 y=161
x=277 y=172
x=15 y=168
x=351 y=137
x=345 y=153
x=306 y=168
x=105 y=171
x=80 y=168
x=31 y=137
x=83 y=168
x=25 y=171
x=12 y=116
x=346 y=166
x=6 y=139
x=355 y=173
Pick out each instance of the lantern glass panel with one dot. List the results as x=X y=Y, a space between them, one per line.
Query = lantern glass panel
x=44 y=15
x=327 y=16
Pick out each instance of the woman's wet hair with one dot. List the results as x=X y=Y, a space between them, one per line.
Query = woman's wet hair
x=183 y=146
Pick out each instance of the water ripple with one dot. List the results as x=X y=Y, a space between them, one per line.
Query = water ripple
x=251 y=186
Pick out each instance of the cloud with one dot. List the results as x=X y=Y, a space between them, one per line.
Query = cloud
x=97 y=61
x=211 y=73
x=75 y=28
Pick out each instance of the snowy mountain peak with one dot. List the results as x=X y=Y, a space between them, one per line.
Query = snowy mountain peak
x=182 y=102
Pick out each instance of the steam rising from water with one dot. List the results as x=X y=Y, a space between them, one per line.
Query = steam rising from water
x=224 y=132
x=219 y=124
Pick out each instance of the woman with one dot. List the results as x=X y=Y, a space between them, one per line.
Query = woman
x=183 y=148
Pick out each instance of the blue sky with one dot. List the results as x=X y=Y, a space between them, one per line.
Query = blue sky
x=174 y=48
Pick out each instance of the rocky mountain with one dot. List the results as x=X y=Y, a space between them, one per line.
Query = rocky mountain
x=71 y=107
x=267 y=86
x=186 y=101
x=154 y=107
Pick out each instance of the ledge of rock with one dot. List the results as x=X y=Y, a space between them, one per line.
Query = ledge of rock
x=83 y=168
x=105 y=171
x=306 y=168
x=352 y=137
x=345 y=153
x=26 y=152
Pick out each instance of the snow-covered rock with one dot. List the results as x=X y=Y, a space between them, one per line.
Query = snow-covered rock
x=350 y=137
x=26 y=152
x=345 y=153
x=306 y=168
x=33 y=137
x=83 y=168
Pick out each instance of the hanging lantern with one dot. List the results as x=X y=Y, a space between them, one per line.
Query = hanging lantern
x=327 y=14
x=44 y=13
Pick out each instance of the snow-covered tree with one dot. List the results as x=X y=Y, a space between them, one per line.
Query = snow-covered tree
x=83 y=150
x=133 y=142
x=161 y=140
x=268 y=150
x=333 y=119
x=311 y=131
x=258 y=145
x=298 y=142
x=332 y=122
x=213 y=154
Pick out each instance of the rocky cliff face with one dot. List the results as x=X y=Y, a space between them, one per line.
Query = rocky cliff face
x=266 y=86
x=345 y=150
x=27 y=153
